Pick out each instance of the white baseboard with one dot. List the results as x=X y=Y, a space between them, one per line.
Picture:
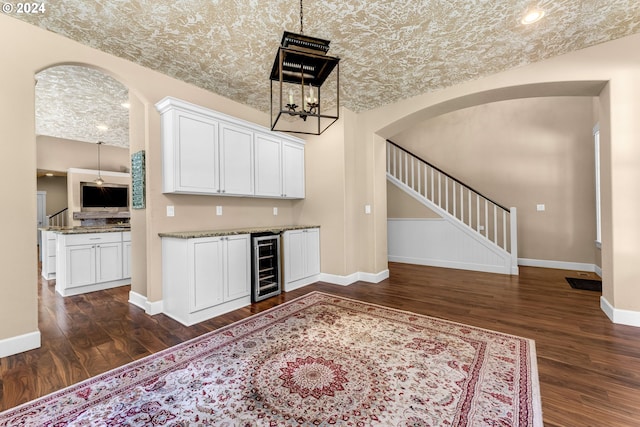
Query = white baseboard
x=560 y=265
x=453 y=264
x=354 y=277
x=151 y=308
x=616 y=315
x=19 y=344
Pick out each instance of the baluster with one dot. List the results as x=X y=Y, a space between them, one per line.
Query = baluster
x=486 y=218
x=406 y=168
x=433 y=193
x=419 y=181
x=453 y=196
x=470 y=210
x=425 y=182
x=446 y=193
x=495 y=224
x=478 y=213
x=413 y=173
x=462 y=204
x=504 y=230
x=439 y=189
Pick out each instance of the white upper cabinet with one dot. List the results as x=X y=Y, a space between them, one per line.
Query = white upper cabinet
x=206 y=152
x=292 y=170
x=268 y=167
x=236 y=160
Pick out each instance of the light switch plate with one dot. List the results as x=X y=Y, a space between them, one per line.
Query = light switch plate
x=367 y=209
x=218 y=210
x=171 y=211
x=540 y=207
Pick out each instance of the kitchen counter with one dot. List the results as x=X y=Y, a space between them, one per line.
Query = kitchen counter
x=232 y=231
x=86 y=230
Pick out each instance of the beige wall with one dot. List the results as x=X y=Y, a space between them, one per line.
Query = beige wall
x=521 y=153
x=401 y=205
x=56 y=188
x=56 y=154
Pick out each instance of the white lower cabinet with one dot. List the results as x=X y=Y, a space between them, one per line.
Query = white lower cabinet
x=48 y=254
x=301 y=257
x=126 y=254
x=89 y=262
x=205 y=277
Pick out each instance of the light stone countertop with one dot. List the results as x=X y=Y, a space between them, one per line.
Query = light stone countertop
x=87 y=230
x=275 y=229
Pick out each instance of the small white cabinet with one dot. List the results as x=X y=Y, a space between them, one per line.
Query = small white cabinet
x=126 y=254
x=207 y=152
x=205 y=277
x=89 y=262
x=48 y=254
x=301 y=257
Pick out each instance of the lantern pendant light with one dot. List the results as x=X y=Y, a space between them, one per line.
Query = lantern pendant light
x=302 y=73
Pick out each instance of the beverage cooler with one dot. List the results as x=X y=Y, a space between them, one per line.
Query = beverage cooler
x=265 y=271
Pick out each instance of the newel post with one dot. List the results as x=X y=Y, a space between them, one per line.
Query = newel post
x=514 y=239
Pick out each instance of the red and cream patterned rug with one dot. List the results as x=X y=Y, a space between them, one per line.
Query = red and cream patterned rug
x=317 y=360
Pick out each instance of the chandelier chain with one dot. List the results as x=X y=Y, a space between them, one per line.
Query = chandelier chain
x=301 y=16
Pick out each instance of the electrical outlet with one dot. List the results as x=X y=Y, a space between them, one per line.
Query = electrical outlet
x=171 y=211
x=218 y=210
x=481 y=228
x=540 y=207
x=275 y=211
x=367 y=209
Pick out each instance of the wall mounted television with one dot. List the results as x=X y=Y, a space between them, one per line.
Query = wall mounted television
x=105 y=197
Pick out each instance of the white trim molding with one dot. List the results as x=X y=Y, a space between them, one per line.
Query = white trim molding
x=19 y=344
x=359 y=276
x=151 y=308
x=560 y=265
x=619 y=316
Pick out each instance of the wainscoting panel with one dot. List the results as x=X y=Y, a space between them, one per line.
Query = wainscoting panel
x=437 y=242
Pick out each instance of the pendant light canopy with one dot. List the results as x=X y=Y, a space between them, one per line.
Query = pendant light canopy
x=301 y=75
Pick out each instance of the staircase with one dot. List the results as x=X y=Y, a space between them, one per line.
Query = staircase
x=475 y=232
x=58 y=219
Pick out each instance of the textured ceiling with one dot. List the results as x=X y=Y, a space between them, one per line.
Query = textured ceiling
x=72 y=101
x=390 y=49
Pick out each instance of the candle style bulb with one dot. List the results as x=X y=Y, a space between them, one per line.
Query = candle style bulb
x=291 y=96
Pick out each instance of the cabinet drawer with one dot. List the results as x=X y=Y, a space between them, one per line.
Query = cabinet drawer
x=93 y=238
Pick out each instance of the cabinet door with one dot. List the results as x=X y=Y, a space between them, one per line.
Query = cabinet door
x=312 y=252
x=206 y=273
x=268 y=169
x=237 y=267
x=108 y=262
x=292 y=170
x=80 y=265
x=236 y=160
x=126 y=260
x=294 y=262
x=197 y=154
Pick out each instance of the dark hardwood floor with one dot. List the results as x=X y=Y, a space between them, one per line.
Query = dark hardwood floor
x=589 y=368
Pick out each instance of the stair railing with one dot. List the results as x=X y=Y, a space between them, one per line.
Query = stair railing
x=452 y=197
x=58 y=219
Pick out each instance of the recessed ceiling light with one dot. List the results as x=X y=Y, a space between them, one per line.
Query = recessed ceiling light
x=102 y=127
x=126 y=105
x=533 y=15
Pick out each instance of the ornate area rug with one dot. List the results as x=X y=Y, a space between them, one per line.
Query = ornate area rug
x=317 y=360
